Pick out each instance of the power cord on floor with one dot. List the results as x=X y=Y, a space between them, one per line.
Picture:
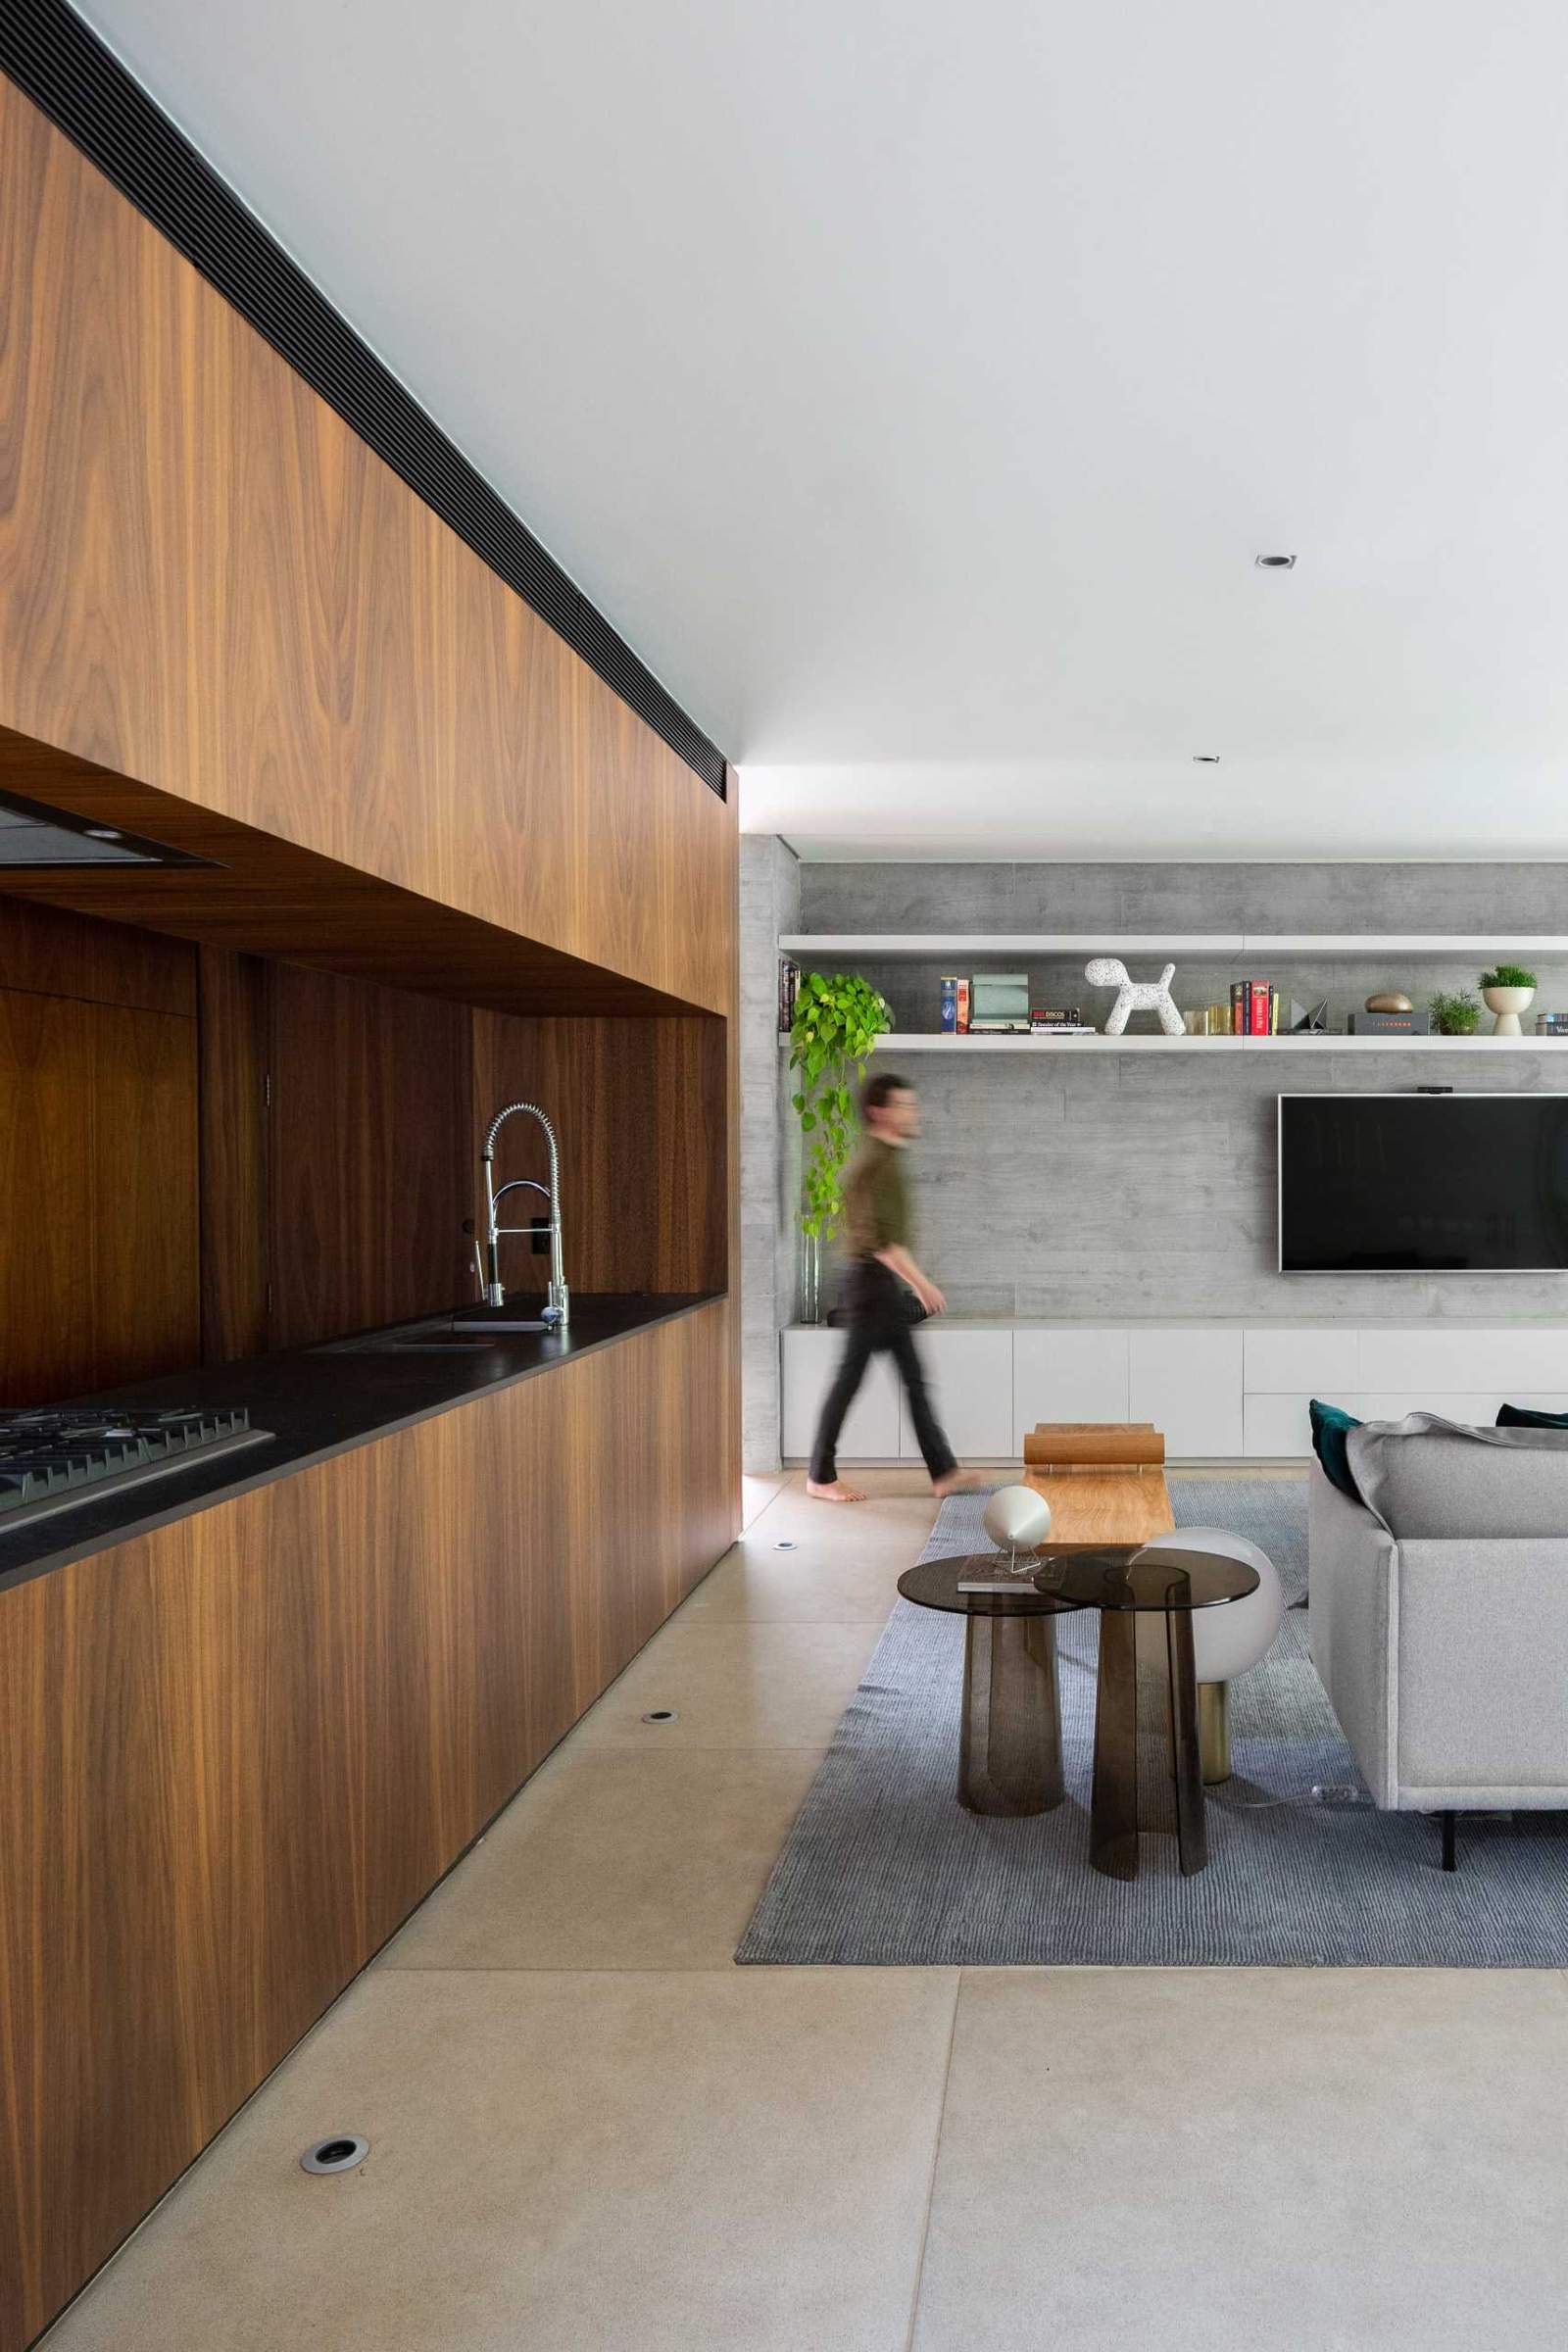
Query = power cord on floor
x=1337 y=1795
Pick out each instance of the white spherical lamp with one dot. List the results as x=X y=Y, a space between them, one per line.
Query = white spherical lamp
x=1016 y=1519
x=1230 y=1638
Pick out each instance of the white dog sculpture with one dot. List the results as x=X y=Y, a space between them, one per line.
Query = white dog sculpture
x=1135 y=996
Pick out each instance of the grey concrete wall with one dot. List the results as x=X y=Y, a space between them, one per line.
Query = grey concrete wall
x=1135 y=1187
x=1184 y=897
x=769 y=903
x=1130 y=1187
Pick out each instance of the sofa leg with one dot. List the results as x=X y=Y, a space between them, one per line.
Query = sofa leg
x=1451 y=1855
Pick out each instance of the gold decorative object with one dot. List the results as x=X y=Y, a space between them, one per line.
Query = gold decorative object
x=1392 y=1000
x=1214 y=1730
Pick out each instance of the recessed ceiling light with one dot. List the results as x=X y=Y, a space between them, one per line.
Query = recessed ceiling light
x=1275 y=563
x=1205 y=758
x=100 y=833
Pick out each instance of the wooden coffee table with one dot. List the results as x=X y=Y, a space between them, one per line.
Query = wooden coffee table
x=1103 y=1480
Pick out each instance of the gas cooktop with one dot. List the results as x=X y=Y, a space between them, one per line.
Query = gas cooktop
x=57 y=1456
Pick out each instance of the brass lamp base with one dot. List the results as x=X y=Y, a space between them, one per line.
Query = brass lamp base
x=1214 y=1730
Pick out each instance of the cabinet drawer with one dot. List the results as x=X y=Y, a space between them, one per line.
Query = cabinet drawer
x=1476 y=1406
x=810 y=1360
x=1285 y=1361
x=1067 y=1372
x=1464 y=1360
x=1276 y=1425
x=970 y=1374
x=1189 y=1384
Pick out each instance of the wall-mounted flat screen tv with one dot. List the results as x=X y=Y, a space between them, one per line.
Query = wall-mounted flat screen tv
x=1423 y=1184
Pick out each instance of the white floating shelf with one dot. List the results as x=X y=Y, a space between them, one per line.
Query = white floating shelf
x=937 y=947
x=885 y=946
x=934 y=1041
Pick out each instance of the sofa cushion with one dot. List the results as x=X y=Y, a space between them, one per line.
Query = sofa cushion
x=1331 y=1426
x=1524 y=1417
x=1428 y=1477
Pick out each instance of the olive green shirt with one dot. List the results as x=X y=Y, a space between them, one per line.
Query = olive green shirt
x=876 y=1204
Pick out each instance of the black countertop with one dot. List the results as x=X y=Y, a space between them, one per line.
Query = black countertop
x=317 y=1402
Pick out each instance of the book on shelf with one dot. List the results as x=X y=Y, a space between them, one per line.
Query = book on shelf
x=1254 y=1009
x=789 y=982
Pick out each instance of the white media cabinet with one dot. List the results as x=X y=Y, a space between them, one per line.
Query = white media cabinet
x=1218 y=1389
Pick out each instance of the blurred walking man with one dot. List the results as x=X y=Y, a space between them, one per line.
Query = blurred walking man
x=877 y=1271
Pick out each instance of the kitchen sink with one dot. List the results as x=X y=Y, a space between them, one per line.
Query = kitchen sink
x=444 y=1335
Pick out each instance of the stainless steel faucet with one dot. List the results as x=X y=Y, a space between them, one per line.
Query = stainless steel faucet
x=559 y=1308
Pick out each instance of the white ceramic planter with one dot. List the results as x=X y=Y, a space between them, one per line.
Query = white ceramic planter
x=1507 y=1003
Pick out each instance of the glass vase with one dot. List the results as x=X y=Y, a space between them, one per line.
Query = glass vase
x=811 y=1278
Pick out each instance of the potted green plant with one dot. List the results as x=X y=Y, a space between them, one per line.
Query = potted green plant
x=1509 y=991
x=837 y=1023
x=1455 y=1014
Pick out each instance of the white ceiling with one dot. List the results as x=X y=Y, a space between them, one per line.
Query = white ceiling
x=914 y=385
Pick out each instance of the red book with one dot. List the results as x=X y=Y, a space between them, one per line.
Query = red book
x=1257 y=994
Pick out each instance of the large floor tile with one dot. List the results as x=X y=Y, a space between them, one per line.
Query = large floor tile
x=732 y=1686
x=617 y=1858
x=757 y=1490
x=624 y=2163
x=822 y=1578
x=1252 y=2161
x=907 y=1482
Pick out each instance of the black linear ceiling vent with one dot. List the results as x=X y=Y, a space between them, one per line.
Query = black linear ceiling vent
x=65 y=69
x=32 y=834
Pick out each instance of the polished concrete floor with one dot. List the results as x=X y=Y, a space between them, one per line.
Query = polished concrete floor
x=591 y=2132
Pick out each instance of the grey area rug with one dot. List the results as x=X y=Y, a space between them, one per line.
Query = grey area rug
x=885 y=1868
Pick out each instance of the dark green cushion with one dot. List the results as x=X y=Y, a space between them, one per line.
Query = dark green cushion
x=1331 y=1426
x=1524 y=1417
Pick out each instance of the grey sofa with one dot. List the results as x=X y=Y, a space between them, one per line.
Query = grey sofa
x=1439 y=1615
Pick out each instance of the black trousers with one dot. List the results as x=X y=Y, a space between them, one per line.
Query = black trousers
x=874 y=1319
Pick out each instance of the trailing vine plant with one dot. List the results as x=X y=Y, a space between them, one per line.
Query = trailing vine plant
x=837 y=1022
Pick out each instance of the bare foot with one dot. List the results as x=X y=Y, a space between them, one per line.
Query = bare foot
x=956 y=1482
x=838 y=1492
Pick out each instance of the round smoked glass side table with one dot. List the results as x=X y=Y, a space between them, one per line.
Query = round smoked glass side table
x=1149 y=1770
x=1009 y=1744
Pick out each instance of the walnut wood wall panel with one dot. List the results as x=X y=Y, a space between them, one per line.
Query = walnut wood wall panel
x=235 y=1122
x=214 y=589
x=369 y=1155
x=641 y=1113
x=62 y=954
x=99 y=1242
x=267 y=896
x=235 y=1754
